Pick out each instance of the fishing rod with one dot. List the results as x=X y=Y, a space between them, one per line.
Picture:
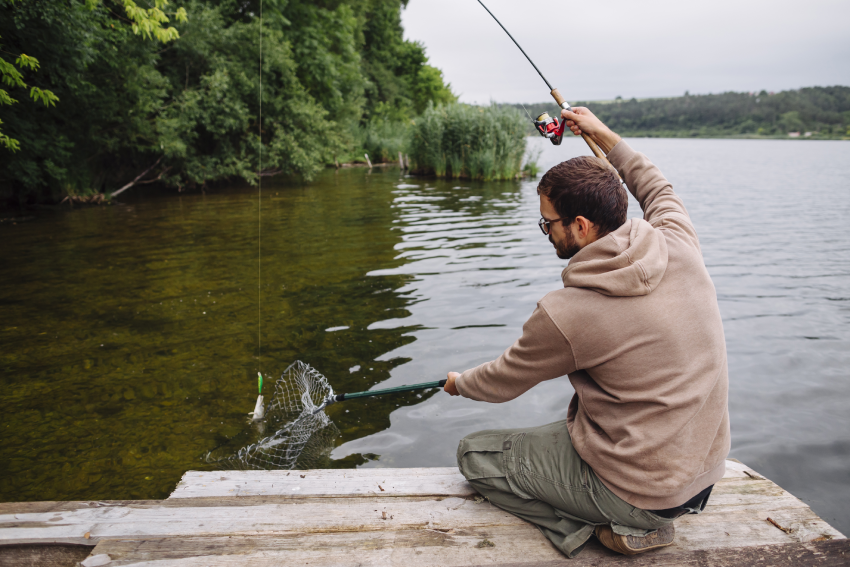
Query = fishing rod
x=334 y=398
x=549 y=127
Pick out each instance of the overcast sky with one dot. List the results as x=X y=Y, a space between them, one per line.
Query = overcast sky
x=607 y=48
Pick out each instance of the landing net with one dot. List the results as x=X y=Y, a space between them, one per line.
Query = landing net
x=300 y=438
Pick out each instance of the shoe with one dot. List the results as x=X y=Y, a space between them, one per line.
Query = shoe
x=630 y=545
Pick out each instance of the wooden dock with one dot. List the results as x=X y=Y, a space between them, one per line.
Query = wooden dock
x=404 y=517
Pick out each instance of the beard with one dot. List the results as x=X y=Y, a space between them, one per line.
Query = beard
x=567 y=248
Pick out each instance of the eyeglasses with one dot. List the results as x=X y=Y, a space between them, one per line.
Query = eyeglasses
x=546 y=225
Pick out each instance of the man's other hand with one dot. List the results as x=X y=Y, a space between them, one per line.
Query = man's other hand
x=450 y=386
x=581 y=120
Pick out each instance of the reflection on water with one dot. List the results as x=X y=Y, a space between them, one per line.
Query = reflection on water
x=130 y=332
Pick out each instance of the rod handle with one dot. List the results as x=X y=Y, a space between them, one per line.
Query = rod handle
x=562 y=102
x=559 y=98
x=594 y=147
x=396 y=390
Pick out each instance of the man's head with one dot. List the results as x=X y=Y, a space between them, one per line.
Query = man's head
x=585 y=193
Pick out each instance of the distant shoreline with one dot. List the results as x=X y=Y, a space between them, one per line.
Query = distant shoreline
x=816 y=113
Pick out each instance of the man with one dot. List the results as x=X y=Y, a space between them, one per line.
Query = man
x=638 y=330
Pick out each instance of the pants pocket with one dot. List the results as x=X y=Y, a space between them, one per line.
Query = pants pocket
x=480 y=456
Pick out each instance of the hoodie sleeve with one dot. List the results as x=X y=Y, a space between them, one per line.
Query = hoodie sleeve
x=541 y=353
x=662 y=208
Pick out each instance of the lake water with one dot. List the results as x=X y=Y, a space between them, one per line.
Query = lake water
x=129 y=332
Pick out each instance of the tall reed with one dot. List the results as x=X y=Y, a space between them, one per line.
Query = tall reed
x=383 y=140
x=474 y=142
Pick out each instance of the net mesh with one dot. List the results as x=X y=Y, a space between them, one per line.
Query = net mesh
x=301 y=439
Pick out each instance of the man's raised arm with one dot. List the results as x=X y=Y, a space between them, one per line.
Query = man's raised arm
x=662 y=208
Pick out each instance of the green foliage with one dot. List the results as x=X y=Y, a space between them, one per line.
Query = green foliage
x=337 y=77
x=430 y=87
x=383 y=140
x=824 y=111
x=460 y=140
x=210 y=130
x=149 y=22
x=790 y=121
x=11 y=77
x=396 y=69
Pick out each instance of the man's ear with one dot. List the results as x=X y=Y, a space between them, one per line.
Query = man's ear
x=584 y=226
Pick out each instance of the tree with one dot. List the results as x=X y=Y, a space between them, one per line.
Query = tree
x=149 y=22
x=12 y=77
x=791 y=121
x=143 y=89
x=428 y=86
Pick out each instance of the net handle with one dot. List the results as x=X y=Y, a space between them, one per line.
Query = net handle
x=397 y=389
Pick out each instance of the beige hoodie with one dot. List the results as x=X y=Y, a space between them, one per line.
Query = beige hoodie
x=638 y=330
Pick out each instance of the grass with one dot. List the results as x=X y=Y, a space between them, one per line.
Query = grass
x=472 y=142
x=383 y=140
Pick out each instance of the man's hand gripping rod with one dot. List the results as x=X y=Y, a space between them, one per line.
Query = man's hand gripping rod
x=556 y=94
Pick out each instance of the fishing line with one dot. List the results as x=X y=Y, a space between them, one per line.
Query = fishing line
x=259 y=413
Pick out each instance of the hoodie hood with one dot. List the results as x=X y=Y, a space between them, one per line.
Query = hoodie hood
x=625 y=263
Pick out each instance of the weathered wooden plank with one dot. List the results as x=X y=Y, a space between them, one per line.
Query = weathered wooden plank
x=411 y=548
x=741 y=520
x=737 y=469
x=817 y=554
x=422 y=525
x=254 y=516
x=744 y=527
x=445 y=481
x=728 y=493
x=522 y=546
x=739 y=493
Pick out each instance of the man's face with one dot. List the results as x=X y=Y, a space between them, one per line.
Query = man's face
x=560 y=236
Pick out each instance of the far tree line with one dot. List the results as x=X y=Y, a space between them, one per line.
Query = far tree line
x=822 y=112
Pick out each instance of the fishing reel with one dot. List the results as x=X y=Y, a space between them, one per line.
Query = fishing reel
x=550 y=127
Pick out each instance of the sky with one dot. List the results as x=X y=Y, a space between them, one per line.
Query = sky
x=629 y=48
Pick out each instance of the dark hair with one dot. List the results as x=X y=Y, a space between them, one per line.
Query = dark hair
x=586 y=186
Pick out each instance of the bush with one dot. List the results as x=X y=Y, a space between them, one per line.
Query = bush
x=472 y=142
x=383 y=140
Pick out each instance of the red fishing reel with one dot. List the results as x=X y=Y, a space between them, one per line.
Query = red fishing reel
x=550 y=127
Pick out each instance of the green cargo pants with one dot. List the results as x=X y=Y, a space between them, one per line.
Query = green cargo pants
x=535 y=474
